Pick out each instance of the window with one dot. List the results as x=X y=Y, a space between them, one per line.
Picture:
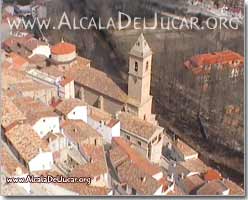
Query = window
x=147 y=65
x=139 y=143
x=95 y=142
x=128 y=137
x=136 y=66
x=159 y=137
x=44 y=120
x=154 y=140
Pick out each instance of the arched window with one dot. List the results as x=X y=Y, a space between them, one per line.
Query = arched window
x=136 y=67
x=147 y=65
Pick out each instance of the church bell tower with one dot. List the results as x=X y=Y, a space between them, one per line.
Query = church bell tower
x=139 y=78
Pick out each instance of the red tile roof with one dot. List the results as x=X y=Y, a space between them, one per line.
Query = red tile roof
x=63 y=48
x=136 y=158
x=18 y=61
x=197 y=63
x=9 y=164
x=216 y=57
x=212 y=175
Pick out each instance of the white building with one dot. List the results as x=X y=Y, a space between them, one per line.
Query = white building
x=103 y=123
x=73 y=109
x=47 y=124
x=39 y=115
x=29 y=148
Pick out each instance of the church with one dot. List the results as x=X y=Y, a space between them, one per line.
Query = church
x=96 y=88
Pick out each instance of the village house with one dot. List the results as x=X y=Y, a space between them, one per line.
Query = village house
x=12 y=44
x=201 y=65
x=132 y=174
x=30 y=150
x=37 y=61
x=72 y=109
x=234 y=189
x=10 y=167
x=64 y=86
x=182 y=152
x=11 y=115
x=33 y=47
x=34 y=90
x=11 y=76
x=95 y=168
x=190 y=184
x=144 y=136
x=215 y=187
x=103 y=123
x=176 y=170
x=39 y=115
x=27 y=46
x=78 y=133
x=16 y=62
x=56 y=142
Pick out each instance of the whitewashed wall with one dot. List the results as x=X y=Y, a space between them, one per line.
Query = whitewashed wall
x=46 y=125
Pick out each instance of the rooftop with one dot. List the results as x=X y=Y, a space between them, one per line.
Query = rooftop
x=137 y=126
x=98 y=81
x=96 y=153
x=211 y=175
x=191 y=183
x=12 y=41
x=215 y=58
x=30 y=86
x=135 y=177
x=63 y=48
x=197 y=63
x=10 y=113
x=234 y=188
x=117 y=155
x=136 y=158
x=10 y=164
x=27 y=105
x=141 y=48
x=98 y=114
x=195 y=165
x=215 y=187
x=26 y=141
x=78 y=131
x=185 y=149
x=32 y=44
x=67 y=105
x=12 y=76
x=17 y=62
x=90 y=170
